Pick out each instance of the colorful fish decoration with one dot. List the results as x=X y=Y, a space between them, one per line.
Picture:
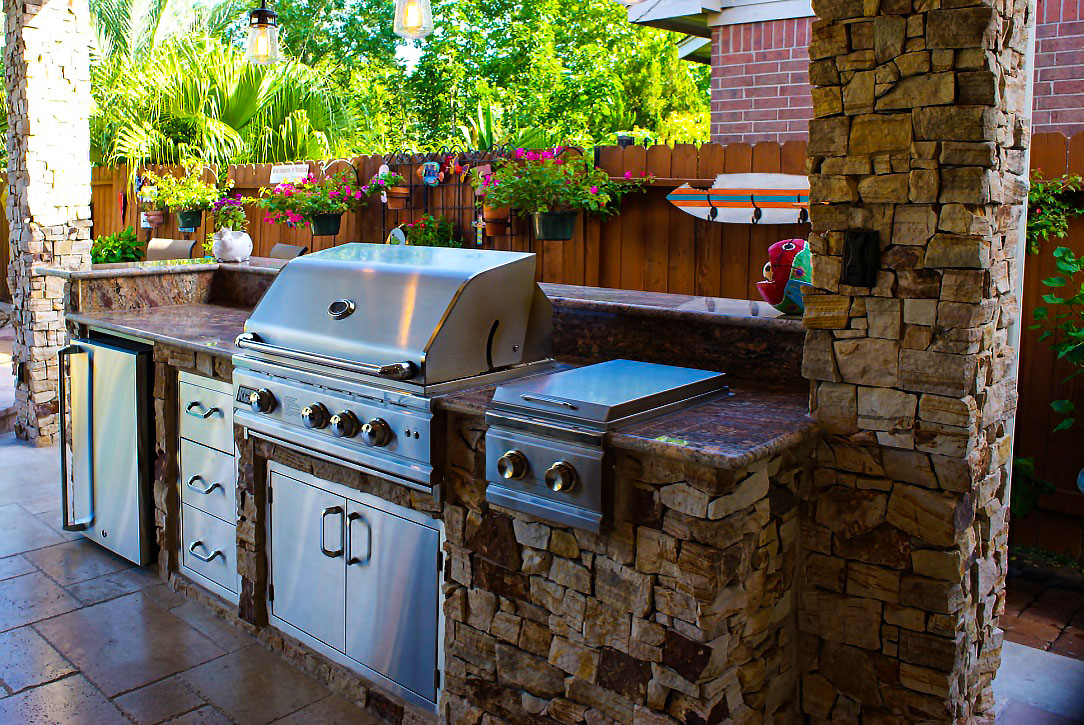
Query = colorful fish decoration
x=789 y=268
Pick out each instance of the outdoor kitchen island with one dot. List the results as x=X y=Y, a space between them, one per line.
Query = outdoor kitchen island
x=684 y=605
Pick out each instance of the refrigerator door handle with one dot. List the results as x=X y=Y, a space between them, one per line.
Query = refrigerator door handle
x=84 y=523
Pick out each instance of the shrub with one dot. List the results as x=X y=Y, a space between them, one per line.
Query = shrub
x=120 y=247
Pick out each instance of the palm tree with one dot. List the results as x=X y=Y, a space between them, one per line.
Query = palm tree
x=131 y=28
x=192 y=96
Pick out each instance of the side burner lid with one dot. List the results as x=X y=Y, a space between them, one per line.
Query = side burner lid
x=605 y=394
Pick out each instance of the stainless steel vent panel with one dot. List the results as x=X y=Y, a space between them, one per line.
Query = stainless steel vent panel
x=606 y=394
x=451 y=313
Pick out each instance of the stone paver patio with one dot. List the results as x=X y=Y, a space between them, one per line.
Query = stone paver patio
x=86 y=637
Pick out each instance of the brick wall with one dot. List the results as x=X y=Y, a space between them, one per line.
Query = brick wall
x=760 y=87
x=1059 y=67
x=760 y=81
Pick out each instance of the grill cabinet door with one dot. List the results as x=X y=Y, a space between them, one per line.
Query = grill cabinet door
x=307 y=559
x=392 y=586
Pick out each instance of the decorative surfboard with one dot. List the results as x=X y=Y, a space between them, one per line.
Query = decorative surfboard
x=747 y=199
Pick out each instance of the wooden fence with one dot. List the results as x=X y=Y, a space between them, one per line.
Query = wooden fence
x=650 y=245
x=1059 y=457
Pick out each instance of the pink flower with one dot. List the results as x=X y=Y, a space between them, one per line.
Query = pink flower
x=594 y=189
x=547 y=154
x=357 y=194
x=628 y=174
x=531 y=156
x=519 y=153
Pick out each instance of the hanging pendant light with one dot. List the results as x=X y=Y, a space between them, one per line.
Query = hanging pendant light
x=263 y=36
x=413 y=19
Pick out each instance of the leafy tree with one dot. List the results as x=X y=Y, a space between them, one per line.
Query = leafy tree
x=192 y=96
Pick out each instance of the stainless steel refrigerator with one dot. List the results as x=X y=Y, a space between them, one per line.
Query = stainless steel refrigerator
x=106 y=478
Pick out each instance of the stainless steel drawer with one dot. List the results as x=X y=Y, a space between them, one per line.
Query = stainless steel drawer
x=209 y=548
x=207 y=416
x=208 y=480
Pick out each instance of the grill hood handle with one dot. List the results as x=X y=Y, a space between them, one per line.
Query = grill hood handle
x=393 y=371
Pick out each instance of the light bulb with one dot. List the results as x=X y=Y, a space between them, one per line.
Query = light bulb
x=413 y=18
x=263 y=36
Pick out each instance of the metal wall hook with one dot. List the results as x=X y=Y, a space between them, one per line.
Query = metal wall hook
x=328 y=164
x=757 y=211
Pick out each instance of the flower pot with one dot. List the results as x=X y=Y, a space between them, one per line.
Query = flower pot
x=496 y=213
x=326 y=225
x=397 y=196
x=231 y=246
x=556 y=226
x=189 y=220
x=496 y=228
x=152 y=219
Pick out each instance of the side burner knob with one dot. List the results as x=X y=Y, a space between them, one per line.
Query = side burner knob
x=561 y=477
x=315 y=415
x=261 y=401
x=376 y=432
x=344 y=425
x=512 y=465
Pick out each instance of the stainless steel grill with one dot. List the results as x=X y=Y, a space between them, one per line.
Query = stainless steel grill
x=343 y=353
x=545 y=447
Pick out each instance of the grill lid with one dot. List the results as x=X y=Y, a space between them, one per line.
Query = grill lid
x=419 y=314
x=607 y=394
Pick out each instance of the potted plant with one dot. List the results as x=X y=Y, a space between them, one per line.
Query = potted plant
x=188 y=197
x=120 y=247
x=430 y=231
x=394 y=187
x=151 y=214
x=553 y=186
x=230 y=241
x=319 y=204
x=495 y=218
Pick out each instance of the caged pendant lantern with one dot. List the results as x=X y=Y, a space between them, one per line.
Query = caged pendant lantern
x=263 y=36
x=413 y=19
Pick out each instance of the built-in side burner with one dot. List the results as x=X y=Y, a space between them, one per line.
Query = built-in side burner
x=545 y=448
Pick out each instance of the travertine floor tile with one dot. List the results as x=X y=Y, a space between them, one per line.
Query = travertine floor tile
x=332 y=710
x=23 y=531
x=160 y=701
x=76 y=561
x=206 y=715
x=14 y=566
x=127 y=643
x=111 y=586
x=228 y=638
x=31 y=598
x=27 y=660
x=72 y=701
x=238 y=685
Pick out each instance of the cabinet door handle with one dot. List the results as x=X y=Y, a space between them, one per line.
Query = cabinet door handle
x=331 y=511
x=205 y=490
x=201 y=557
x=350 y=558
x=193 y=409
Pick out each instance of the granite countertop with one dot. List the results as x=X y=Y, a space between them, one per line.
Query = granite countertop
x=199 y=327
x=719 y=310
x=726 y=433
x=715 y=310
x=256 y=265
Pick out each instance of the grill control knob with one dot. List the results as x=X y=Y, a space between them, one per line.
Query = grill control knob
x=561 y=477
x=512 y=465
x=315 y=415
x=344 y=425
x=376 y=432
x=261 y=401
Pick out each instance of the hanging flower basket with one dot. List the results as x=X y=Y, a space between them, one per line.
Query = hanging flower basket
x=326 y=225
x=189 y=219
x=397 y=196
x=554 y=226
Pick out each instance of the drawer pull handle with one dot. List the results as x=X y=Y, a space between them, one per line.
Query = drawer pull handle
x=201 y=557
x=206 y=490
x=194 y=408
x=331 y=511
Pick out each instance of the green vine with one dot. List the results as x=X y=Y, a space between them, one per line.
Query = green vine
x=1050 y=204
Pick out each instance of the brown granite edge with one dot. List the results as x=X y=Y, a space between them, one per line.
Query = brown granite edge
x=97 y=323
x=643 y=310
x=257 y=265
x=722 y=461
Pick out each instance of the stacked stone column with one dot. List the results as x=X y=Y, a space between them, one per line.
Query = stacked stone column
x=48 y=206
x=919 y=135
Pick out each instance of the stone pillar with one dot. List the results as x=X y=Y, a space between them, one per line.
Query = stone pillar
x=48 y=91
x=919 y=134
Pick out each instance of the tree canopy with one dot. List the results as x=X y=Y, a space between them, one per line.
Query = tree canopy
x=170 y=79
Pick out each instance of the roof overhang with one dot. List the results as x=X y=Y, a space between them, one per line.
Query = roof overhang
x=696 y=18
x=695 y=49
